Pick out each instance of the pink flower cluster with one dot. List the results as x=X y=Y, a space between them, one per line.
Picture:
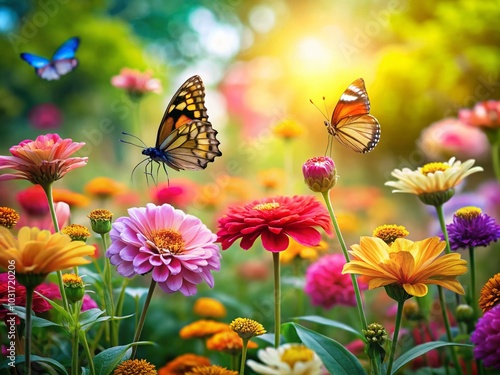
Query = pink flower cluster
x=136 y=82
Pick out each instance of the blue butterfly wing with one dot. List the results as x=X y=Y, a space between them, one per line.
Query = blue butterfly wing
x=35 y=61
x=67 y=49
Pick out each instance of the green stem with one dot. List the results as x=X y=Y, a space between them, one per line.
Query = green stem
x=472 y=269
x=119 y=307
x=359 y=301
x=47 y=188
x=142 y=319
x=108 y=293
x=27 y=335
x=244 y=355
x=442 y=223
x=495 y=156
x=277 y=299
x=88 y=353
x=394 y=343
x=447 y=327
x=75 y=339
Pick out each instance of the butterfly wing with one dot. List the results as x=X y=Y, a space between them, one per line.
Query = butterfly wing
x=67 y=50
x=191 y=146
x=187 y=104
x=351 y=124
x=35 y=61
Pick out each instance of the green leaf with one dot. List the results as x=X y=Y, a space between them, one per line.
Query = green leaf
x=330 y=323
x=336 y=359
x=419 y=350
x=108 y=359
x=35 y=358
x=35 y=320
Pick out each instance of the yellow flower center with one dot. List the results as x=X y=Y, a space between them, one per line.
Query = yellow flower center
x=8 y=217
x=297 y=353
x=433 y=168
x=100 y=214
x=77 y=232
x=247 y=328
x=135 y=367
x=389 y=233
x=266 y=206
x=71 y=280
x=468 y=213
x=168 y=241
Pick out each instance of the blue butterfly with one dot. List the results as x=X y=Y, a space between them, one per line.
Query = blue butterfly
x=62 y=62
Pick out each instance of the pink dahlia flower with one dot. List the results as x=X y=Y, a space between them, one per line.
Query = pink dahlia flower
x=42 y=161
x=327 y=286
x=178 y=249
x=135 y=82
x=274 y=220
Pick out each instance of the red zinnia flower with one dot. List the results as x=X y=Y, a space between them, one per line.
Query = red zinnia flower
x=275 y=219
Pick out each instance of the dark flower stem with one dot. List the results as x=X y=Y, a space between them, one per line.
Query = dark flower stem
x=27 y=339
x=277 y=298
x=472 y=269
x=394 y=343
x=442 y=302
x=142 y=319
x=244 y=355
x=48 y=192
x=355 y=285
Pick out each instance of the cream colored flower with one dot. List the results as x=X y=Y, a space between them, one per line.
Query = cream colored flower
x=288 y=359
x=432 y=177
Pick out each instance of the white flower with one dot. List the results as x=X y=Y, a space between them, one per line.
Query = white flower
x=432 y=177
x=288 y=359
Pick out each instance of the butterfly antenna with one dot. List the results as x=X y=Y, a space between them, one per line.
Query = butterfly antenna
x=319 y=109
x=133 y=136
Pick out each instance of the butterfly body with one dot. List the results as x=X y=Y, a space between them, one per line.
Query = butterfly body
x=351 y=123
x=63 y=61
x=186 y=139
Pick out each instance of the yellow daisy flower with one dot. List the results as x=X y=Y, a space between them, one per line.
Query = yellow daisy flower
x=411 y=265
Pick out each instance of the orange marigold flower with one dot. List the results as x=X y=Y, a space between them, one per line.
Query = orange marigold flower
x=203 y=328
x=183 y=363
x=8 y=217
x=104 y=187
x=228 y=342
x=490 y=294
x=247 y=328
x=73 y=199
x=209 y=308
x=77 y=232
x=135 y=367
x=211 y=370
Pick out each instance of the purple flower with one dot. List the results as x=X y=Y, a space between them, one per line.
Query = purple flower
x=472 y=228
x=178 y=249
x=327 y=286
x=486 y=338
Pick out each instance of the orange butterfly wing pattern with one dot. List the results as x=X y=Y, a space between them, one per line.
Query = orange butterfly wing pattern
x=186 y=139
x=351 y=124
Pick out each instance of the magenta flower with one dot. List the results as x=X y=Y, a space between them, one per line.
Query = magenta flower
x=45 y=116
x=135 y=82
x=178 y=249
x=42 y=161
x=274 y=220
x=320 y=174
x=176 y=192
x=327 y=286
x=486 y=338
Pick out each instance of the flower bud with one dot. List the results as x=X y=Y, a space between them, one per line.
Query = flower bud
x=375 y=333
x=100 y=220
x=73 y=286
x=320 y=174
x=465 y=313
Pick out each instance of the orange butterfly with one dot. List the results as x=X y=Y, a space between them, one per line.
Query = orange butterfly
x=351 y=124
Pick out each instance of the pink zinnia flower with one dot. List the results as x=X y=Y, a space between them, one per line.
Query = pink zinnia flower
x=45 y=116
x=451 y=137
x=484 y=114
x=135 y=82
x=327 y=286
x=177 y=248
x=33 y=200
x=274 y=220
x=43 y=160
